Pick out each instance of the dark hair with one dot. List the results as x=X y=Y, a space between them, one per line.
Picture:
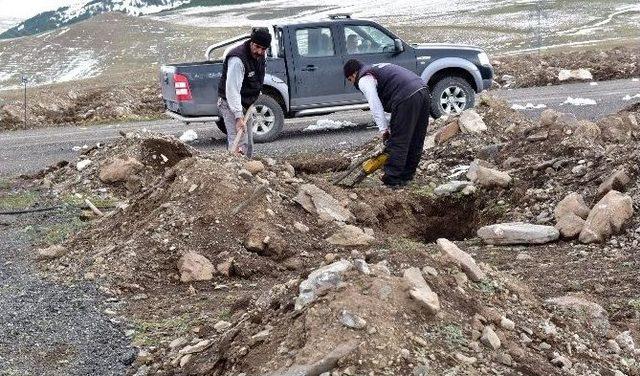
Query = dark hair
x=352 y=66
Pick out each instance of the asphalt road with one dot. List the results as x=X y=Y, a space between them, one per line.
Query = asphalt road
x=28 y=151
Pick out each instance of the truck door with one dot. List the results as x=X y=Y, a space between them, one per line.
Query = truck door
x=371 y=44
x=317 y=78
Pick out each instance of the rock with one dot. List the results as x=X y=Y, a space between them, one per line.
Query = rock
x=570 y=226
x=351 y=320
x=470 y=122
x=119 y=170
x=607 y=217
x=324 y=364
x=52 y=252
x=573 y=203
x=575 y=74
x=487 y=177
x=518 y=233
x=81 y=165
x=320 y=281
x=178 y=342
x=195 y=267
x=505 y=359
x=461 y=258
x=548 y=117
x=245 y=174
x=613 y=346
x=420 y=290
x=316 y=201
x=254 y=167
x=301 y=227
x=256 y=240
x=198 y=347
x=625 y=341
x=350 y=236
x=586 y=133
x=188 y=136
x=465 y=359
x=226 y=267
x=185 y=360
x=614 y=129
x=447 y=132
x=451 y=187
x=221 y=326
x=362 y=266
x=587 y=311
x=561 y=361
x=618 y=181
x=490 y=338
x=507 y=324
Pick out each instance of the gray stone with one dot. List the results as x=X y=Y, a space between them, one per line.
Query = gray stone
x=570 y=226
x=317 y=201
x=325 y=364
x=420 y=290
x=518 y=233
x=461 y=258
x=607 y=217
x=198 y=347
x=221 y=326
x=362 y=266
x=618 y=181
x=320 y=281
x=507 y=324
x=573 y=203
x=451 y=187
x=490 y=338
x=487 y=177
x=625 y=341
x=351 y=320
x=195 y=267
x=52 y=252
x=471 y=122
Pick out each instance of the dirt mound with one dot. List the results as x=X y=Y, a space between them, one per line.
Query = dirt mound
x=60 y=105
x=543 y=69
x=225 y=266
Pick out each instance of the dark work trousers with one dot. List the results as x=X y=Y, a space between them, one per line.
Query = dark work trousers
x=408 y=128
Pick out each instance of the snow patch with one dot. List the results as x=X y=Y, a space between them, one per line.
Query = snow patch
x=189 y=136
x=82 y=66
x=329 y=124
x=579 y=102
x=5 y=76
x=528 y=106
x=629 y=97
x=593 y=83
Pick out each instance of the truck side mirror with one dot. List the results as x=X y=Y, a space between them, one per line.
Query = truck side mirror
x=399 y=46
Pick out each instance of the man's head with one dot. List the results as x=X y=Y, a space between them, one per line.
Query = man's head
x=352 y=43
x=260 y=42
x=351 y=69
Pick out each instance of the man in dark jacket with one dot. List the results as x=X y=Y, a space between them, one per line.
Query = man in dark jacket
x=239 y=87
x=392 y=88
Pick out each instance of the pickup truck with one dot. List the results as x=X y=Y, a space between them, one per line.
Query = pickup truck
x=304 y=73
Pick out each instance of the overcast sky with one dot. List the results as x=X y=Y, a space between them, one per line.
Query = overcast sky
x=23 y=9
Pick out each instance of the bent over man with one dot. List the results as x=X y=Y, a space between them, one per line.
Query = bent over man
x=239 y=87
x=392 y=88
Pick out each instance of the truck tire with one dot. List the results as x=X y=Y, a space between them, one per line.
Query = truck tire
x=451 y=95
x=269 y=119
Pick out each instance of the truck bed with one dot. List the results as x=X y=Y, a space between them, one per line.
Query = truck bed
x=203 y=83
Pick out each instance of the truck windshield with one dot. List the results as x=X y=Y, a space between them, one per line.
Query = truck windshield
x=365 y=39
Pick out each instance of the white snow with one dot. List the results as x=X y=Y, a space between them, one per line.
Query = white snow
x=528 y=106
x=329 y=124
x=83 y=164
x=593 y=83
x=579 y=101
x=630 y=97
x=4 y=76
x=189 y=136
x=635 y=79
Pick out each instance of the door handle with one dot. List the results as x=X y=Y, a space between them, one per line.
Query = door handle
x=309 y=68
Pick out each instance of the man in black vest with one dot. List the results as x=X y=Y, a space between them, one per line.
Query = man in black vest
x=392 y=88
x=240 y=85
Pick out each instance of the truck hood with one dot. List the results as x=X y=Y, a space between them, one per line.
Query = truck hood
x=445 y=46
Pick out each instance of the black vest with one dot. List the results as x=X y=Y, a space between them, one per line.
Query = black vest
x=253 y=75
x=395 y=83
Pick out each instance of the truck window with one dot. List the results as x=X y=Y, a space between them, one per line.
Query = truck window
x=364 y=39
x=315 y=42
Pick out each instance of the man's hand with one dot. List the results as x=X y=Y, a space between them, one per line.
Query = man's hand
x=240 y=125
x=384 y=136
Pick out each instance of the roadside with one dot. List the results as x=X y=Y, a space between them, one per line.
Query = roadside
x=50 y=328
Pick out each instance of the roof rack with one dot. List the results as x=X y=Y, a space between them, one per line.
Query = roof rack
x=337 y=16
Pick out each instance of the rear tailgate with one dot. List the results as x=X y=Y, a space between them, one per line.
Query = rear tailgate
x=202 y=86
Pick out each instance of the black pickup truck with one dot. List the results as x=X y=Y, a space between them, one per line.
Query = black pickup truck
x=304 y=73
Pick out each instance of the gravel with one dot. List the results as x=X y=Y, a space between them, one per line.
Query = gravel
x=51 y=329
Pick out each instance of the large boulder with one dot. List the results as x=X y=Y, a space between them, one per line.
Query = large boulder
x=420 y=291
x=570 y=226
x=316 y=201
x=573 y=203
x=320 y=281
x=614 y=129
x=484 y=176
x=587 y=311
x=461 y=258
x=350 y=235
x=581 y=74
x=518 y=233
x=119 y=169
x=470 y=122
x=607 y=217
x=195 y=267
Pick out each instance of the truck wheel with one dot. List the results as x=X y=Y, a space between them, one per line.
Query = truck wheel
x=269 y=119
x=451 y=95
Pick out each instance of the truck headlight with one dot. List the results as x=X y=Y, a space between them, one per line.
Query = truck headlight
x=483 y=58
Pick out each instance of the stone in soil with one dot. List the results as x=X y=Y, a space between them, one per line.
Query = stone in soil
x=490 y=338
x=195 y=267
x=574 y=204
x=462 y=258
x=607 y=217
x=321 y=280
x=518 y=233
x=350 y=235
x=487 y=177
x=420 y=291
x=52 y=252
